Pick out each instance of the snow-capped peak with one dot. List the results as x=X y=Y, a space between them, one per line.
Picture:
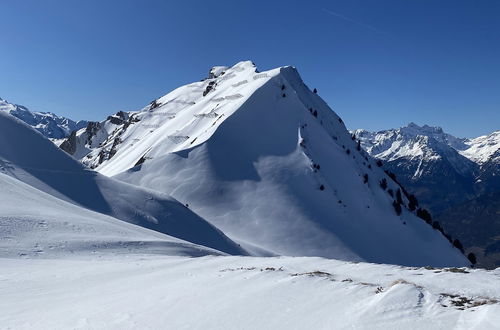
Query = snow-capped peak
x=387 y=144
x=263 y=158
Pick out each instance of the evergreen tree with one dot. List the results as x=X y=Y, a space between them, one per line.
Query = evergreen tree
x=397 y=207
x=472 y=258
x=383 y=184
x=413 y=202
x=458 y=245
x=424 y=215
x=399 y=198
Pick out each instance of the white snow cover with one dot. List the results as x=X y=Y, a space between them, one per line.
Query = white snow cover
x=414 y=141
x=132 y=292
x=34 y=224
x=47 y=123
x=26 y=155
x=250 y=167
x=482 y=149
x=241 y=150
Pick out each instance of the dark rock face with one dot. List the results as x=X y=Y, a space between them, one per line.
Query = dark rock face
x=69 y=145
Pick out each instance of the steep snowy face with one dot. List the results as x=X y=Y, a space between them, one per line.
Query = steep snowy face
x=265 y=160
x=396 y=143
x=27 y=156
x=416 y=144
x=482 y=149
x=50 y=125
x=432 y=157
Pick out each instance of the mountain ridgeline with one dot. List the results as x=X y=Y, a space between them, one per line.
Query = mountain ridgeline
x=264 y=159
x=50 y=125
x=457 y=179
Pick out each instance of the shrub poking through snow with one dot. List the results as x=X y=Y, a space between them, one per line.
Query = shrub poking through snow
x=315 y=113
x=322 y=187
x=315 y=91
x=424 y=215
x=365 y=178
x=436 y=225
x=472 y=258
x=397 y=207
x=413 y=202
x=379 y=163
x=399 y=198
x=458 y=245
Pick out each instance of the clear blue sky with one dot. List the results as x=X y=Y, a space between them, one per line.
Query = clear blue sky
x=379 y=64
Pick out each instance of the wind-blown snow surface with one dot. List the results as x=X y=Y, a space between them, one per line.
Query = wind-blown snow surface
x=242 y=293
x=34 y=224
x=27 y=156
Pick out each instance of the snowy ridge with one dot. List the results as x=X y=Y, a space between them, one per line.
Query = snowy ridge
x=265 y=160
x=50 y=125
x=482 y=149
x=416 y=141
x=27 y=156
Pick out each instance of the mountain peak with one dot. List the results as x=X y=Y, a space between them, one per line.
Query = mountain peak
x=264 y=159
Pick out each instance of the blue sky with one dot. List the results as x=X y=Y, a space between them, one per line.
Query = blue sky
x=379 y=64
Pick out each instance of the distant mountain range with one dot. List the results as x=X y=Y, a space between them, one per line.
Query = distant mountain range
x=458 y=179
x=50 y=125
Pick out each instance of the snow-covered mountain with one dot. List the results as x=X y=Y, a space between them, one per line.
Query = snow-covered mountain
x=454 y=177
x=429 y=158
x=50 y=125
x=262 y=167
x=29 y=157
x=429 y=142
x=265 y=160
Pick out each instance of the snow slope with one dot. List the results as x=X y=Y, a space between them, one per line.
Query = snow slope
x=27 y=156
x=242 y=293
x=50 y=125
x=37 y=225
x=265 y=160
